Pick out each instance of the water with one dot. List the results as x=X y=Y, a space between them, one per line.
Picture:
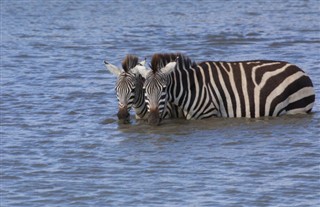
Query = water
x=61 y=144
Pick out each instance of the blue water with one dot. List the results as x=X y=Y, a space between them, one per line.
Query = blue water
x=61 y=144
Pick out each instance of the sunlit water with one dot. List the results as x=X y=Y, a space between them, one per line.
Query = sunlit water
x=61 y=144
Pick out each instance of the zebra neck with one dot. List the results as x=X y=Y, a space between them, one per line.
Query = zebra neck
x=141 y=110
x=193 y=101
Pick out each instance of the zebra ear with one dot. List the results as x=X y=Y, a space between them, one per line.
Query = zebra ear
x=169 y=67
x=112 y=68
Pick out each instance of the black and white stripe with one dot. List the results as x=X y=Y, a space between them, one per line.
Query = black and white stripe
x=233 y=89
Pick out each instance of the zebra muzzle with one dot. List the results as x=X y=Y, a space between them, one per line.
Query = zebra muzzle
x=154 y=118
x=123 y=115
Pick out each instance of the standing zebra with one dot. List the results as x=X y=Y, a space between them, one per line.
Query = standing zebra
x=130 y=92
x=166 y=109
x=229 y=89
x=129 y=88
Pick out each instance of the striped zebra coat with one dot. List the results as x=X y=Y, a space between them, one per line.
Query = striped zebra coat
x=230 y=89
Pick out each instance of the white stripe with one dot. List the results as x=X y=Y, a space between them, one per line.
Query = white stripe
x=254 y=62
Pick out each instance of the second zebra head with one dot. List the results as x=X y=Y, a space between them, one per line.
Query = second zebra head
x=155 y=86
x=129 y=88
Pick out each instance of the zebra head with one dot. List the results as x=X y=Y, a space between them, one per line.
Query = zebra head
x=155 y=85
x=128 y=85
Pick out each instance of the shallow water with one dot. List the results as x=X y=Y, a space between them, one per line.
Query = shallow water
x=61 y=143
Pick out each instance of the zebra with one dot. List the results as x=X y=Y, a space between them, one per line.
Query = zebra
x=130 y=92
x=128 y=88
x=167 y=109
x=228 y=89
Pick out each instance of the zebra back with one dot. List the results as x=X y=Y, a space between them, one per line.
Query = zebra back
x=240 y=89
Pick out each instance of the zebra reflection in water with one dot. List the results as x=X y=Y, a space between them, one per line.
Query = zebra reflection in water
x=228 y=89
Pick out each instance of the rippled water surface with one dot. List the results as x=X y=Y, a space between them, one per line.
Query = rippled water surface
x=61 y=144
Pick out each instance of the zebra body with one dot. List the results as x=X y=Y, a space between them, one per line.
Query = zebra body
x=232 y=89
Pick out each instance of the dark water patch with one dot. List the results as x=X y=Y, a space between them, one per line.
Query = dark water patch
x=39 y=45
x=231 y=39
x=73 y=113
x=29 y=56
x=253 y=13
x=179 y=14
x=293 y=43
x=76 y=47
x=109 y=121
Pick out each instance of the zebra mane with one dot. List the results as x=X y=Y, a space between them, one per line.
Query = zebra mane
x=159 y=60
x=185 y=62
x=129 y=62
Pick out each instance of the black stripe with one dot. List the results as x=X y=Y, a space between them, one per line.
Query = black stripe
x=250 y=87
x=238 y=83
